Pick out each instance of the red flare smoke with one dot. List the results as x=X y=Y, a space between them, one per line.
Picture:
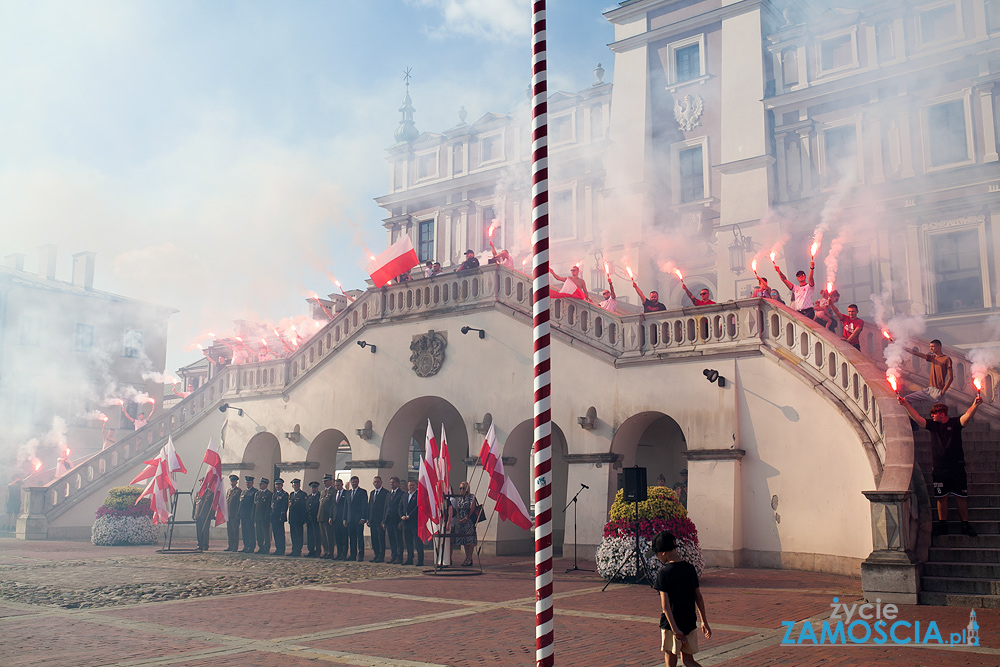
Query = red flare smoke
x=753 y=265
x=630 y=274
x=892 y=382
x=679 y=274
x=813 y=248
x=829 y=288
x=888 y=336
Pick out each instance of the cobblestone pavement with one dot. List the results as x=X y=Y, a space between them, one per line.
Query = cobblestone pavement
x=70 y=603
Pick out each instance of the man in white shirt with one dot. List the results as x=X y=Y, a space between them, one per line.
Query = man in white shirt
x=610 y=302
x=802 y=294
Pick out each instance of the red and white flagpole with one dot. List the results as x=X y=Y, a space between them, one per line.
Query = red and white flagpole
x=540 y=337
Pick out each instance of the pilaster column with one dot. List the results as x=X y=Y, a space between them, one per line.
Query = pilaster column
x=805 y=146
x=782 y=166
x=989 y=122
x=891 y=571
x=719 y=514
x=32 y=524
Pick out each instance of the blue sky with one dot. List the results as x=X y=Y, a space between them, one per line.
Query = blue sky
x=222 y=157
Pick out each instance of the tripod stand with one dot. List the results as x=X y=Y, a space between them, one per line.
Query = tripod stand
x=641 y=571
x=573 y=503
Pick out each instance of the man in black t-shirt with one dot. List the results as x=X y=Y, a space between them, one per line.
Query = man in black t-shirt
x=677 y=582
x=652 y=304
x=948 y=459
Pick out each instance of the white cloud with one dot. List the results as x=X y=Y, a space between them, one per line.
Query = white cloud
x=497 y=20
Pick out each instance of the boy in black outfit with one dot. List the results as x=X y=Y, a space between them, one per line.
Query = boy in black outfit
x=948 y=459
x=677 y=582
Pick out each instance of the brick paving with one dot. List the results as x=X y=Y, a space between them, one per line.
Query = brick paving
x=406 y=618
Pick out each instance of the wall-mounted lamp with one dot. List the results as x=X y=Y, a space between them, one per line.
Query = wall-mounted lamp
x=589 y=421
x=226 y=406
x=482 y=333
x=257 y=427
x=365 y=433
x=483 y=427
x=294 y=434
x=363 y=344
x=738 y=251
x=712 y=375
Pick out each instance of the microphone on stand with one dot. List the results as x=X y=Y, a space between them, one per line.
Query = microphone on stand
x=584 y=486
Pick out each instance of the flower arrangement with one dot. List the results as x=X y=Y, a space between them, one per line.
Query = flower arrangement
x=661 y=511
x=120 y=520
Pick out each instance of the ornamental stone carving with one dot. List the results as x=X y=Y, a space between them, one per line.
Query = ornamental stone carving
x=427 y=353
x=687 y=112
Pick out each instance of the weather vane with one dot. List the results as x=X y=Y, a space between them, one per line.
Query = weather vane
x=407 y=76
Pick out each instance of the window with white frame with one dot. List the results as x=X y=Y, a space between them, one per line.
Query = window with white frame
x=837 y=53
x=457 y=159
x=939 y=24
x=84 y=337
x=958 y=272
x=855 y=280
x=561 y=129
x=425 y=240
x=687 y=59
x=132 y=344
x=885 y=41
x=790 y=67
x=947 y=133
x=491 y=148
x=487 y=221
x=993 y=15
x=840 y=154
x=689 y=167
x=561 y=220
x=427 y=165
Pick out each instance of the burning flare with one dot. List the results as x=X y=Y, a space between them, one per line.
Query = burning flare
x=774 y=253
x=630 y=274
x=753 y=265
x=679 y=274
x=37 y=465
x=888 y=336
x=813 y=248
x=977 y=382
x=892 y=382
x=829 y=288
x=607 y=271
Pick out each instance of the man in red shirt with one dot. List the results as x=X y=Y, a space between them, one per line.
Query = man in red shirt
x=706 y=296
x=852 y=324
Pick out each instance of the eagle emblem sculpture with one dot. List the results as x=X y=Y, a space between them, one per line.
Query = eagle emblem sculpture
x=687 y=112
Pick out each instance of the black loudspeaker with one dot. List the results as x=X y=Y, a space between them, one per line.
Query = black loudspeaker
x=635 y=484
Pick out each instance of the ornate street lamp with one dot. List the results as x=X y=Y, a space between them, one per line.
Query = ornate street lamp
x=742 y=245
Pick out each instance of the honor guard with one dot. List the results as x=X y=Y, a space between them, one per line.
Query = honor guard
x=312 y=520
x=296 y=516
x=279 y=515
x=247 y=502
x=203 y=514
x=233 y=496
x=262 y=516
x=325 y=515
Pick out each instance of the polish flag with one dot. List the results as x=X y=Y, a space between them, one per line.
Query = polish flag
x=442 y=466
x=428 y=510
x=501 y=489
x=394 y=260
x=213 y=482
x=431 y=452
x=510 y=507
x=489 y=453
x=569 y=290
x=159 y=471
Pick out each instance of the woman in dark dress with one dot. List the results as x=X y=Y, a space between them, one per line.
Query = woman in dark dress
x=464 y=512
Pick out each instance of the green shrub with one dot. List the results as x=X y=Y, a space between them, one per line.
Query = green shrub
x=122 y=498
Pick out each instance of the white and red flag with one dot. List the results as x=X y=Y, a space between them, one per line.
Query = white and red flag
x=213 y=482
x=398 y=258
x=431 y=454
x=442 y=466
x=569 y=290
x=429 y=510
x=501 y=489
x=159 y=471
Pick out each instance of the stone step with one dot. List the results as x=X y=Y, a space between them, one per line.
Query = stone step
x=946 y=569
x=956 y=540
x=983 y=501
x=960 y=585
x=958 y=600
x=964 y=555
x=985 y=466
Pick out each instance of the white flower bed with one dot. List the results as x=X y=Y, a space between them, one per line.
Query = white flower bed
x=614 y=550
x=111 y=531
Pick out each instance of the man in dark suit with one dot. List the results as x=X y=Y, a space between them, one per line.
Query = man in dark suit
x=296 y=516
x=203 y=515
x=394 y=510
x=357 y=517
x=262 y=516
x=247 y=502
x=411 y=518
x=233 y=510
x=340 y=532
x=312 y=520
x=378 y=502
x=325 y=516
x=279 y=515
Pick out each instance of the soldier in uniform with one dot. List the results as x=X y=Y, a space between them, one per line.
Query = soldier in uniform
x=279 y=515
x=325 y=515
x=312 y=520
x=247 y=502
x=262 y=517
x=233 y=509
x=296 y=516
x=203 y=514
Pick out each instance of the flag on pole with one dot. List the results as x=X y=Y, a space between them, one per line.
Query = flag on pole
x=569 y=290
x=442 y=466
x=429 y=511
x=394 y=260
x=213 y=482
x=159 y=471
x=501 y=489
x=431 y=454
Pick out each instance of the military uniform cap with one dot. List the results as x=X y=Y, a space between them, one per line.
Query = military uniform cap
x=278 y=480
x=296 y=481
x=234 y=477
x=327 y=476
x=249 y=478
x=314 y=484
x=264 y=480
